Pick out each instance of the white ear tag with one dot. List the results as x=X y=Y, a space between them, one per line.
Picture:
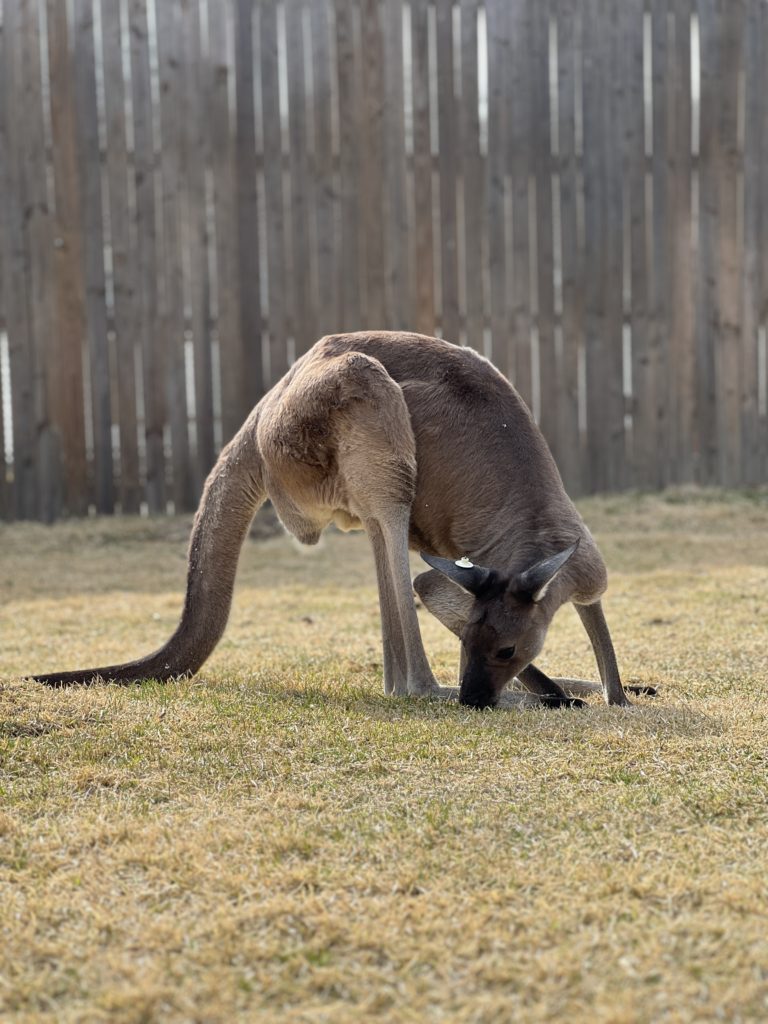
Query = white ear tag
x=464 y=563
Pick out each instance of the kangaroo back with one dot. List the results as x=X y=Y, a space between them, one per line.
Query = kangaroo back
x=231 y=497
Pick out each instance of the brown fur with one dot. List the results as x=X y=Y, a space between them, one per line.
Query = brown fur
x=423 y=444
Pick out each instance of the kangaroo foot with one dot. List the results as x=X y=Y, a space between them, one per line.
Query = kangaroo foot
x=554 y=701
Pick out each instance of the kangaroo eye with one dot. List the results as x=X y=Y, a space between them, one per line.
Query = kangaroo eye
x=505 y=653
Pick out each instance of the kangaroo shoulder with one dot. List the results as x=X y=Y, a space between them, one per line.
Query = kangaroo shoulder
x=300 y=414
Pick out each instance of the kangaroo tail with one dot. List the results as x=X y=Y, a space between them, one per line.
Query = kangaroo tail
x=233 y=493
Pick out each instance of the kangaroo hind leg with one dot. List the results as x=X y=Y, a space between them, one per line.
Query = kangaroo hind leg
x=376 y=461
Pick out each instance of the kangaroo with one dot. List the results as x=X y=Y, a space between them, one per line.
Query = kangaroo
x=423 y=444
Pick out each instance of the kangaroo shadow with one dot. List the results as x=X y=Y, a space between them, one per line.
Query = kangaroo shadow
x=659 y=715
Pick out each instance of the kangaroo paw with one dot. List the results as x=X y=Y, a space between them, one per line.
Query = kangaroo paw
x=553 y=701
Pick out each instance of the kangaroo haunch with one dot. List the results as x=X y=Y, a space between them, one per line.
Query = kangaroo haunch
x=422 y=444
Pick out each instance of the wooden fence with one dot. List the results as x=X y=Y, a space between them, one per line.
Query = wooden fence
x=193 y=191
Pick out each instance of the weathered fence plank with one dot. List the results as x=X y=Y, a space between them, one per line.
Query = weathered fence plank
x=516 y=176
x=274 y=214
x=642 y=452
x=145 y=231
x=325 y=192
x=679 y=283
x=424 y=314
x=349 y=90
x=169 y=44
x=194 y=155
x=67 y=401
x=447 y=161
x=662 y=231
x=603 y=250
x=302 y=312
x=89 y=161
x=520 y=113
x=234 y=387
x=721 y=260
x=763 y=253
x=40 y=232
x=21 y=349
x=397 y=266
x=754 y=106
x=473 y=180
x=498 y=61
x=544 y=372
x=371 y=147
x=8 y=487
x=572 y=270
x=706 y=312
x=124 y=271
x=246 y=219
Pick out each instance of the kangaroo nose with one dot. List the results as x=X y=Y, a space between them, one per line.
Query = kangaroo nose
x=475 y=698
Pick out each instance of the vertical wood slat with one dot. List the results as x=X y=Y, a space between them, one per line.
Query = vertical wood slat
x=325 y=198
x=595 y=186
x=729 y=252
x=754 y=103
x=661 y=245
x=6 y=486
x=423 y=240
x=720 y=313
x=612 y=394
x=348 y=93
x=273 y=191
x=15 y=278
x=546 y=397
x=371 y=139
x=15 y=256
x=642 y=453
x=126 y=319
x=145 y=232
x=246 y=212
x=447 y=160
x=520 y=120
x=603 y=251
x=67 y=402
x=706 y=395
x=473 y=178
x=762 y=285
x=572 y=263
x=233 y=188
x=172 y=293
x=39 y=229
x=194 y=154
x=679 y=284
x=93 y=256
x=299 y=275
x=397 y=270
x=498 y=60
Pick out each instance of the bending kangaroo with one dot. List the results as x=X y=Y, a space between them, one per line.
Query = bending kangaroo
x=422 y=444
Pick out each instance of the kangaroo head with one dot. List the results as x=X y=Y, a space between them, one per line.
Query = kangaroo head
x=501 y=619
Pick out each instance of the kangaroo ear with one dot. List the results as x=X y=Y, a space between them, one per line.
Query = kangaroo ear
x=448 y=603
x=536 y=580
x=473 y=579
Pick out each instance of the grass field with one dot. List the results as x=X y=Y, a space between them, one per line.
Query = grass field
x=274 y=840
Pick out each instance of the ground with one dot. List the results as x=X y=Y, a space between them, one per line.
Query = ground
x=276 y=840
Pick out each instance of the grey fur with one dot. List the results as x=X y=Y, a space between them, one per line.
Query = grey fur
x=425 y=445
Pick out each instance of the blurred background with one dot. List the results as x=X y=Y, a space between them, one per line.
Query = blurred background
x=193 y=191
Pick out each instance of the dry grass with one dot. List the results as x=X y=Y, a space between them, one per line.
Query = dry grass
x=275 y=840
